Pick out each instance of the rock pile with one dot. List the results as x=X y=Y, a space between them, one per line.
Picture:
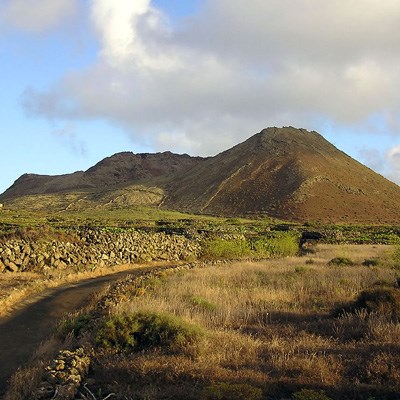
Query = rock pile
x=63 y=378
x=93 y=248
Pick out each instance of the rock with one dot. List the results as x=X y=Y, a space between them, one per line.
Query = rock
x=27 y=249
x=18 y=261
x=64 y=376
x=97 y=247
x=59 y=264
x=11 y=266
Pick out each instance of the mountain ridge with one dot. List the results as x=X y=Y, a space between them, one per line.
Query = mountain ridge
x=286 y=173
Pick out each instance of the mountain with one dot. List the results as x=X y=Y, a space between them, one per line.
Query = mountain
x=121 y=169
x=287 y=173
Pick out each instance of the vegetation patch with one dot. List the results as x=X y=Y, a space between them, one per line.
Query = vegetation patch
x=280 y=244
x=381 y=300
x=145 y=330
x=219 y=248
x=370 y=262
x=74 y=325
x=201 y=303
x=341 y=261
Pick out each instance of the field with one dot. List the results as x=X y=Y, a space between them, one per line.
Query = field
x=288 y=328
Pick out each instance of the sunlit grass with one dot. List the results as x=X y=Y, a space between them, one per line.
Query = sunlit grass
x=269 y=325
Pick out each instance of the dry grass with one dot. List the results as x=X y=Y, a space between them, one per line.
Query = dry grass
x=269 y=325
x=357 y=253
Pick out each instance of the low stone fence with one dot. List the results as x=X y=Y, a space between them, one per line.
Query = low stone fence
x=95 y=248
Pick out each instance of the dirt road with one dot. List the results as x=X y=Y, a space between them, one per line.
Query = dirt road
x=21 y=334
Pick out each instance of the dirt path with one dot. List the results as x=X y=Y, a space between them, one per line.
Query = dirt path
x=21 y=333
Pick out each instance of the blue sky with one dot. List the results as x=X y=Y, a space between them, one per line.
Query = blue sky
x=84 y=79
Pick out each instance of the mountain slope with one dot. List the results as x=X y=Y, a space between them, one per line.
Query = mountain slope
x=287 y=173
x=119 y=170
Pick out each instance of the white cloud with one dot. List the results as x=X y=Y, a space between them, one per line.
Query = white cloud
x=232 y=69
x=393 y=157
x=120 y=26
x=36 y=16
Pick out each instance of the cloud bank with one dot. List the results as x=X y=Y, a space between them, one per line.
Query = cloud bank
x=232 y=69
x=36 y=16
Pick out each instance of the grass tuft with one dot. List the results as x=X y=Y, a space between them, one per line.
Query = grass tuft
x=371 y=262
x=381 y=300
x=341 y=261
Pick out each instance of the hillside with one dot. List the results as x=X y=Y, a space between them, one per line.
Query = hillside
x=290 y=174
x=285 y=173
x=122 y=180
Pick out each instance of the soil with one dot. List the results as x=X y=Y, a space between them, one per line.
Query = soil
x=22 y=333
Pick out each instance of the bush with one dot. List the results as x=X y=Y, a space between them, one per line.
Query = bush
x=280 y=245
x=370 y=262
x=229 y=391
x=143 y=330
x=74 y=324
x=225 y=249
x=382 y=300
x=341 y=261
x=308 y=394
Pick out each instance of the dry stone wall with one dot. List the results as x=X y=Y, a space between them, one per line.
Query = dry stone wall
x=95 y=248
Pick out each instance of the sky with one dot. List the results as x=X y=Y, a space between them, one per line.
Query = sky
x=84 y=79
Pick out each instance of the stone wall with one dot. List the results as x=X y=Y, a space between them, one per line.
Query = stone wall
x=95 y=248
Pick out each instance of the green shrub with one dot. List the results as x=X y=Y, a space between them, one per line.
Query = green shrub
x=143 y=330
x=308 y=394
x=341 y=261
x=72 y=325
x=382 y=300
x=225 y=249
x=118 y=332
x=230 y=391
x=280 y=245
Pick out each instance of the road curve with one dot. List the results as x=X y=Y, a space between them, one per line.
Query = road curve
x=22 y=332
